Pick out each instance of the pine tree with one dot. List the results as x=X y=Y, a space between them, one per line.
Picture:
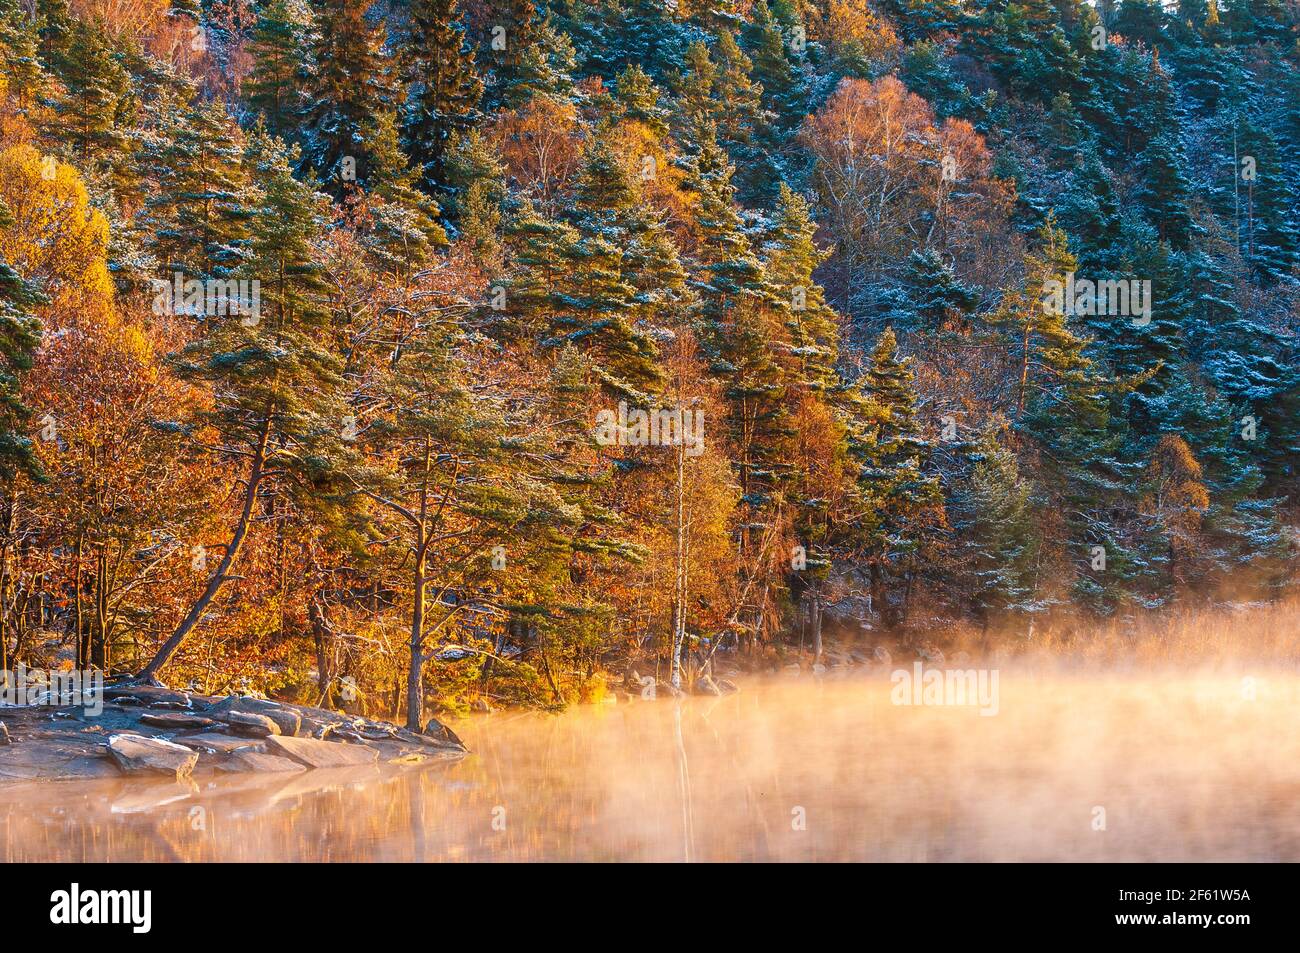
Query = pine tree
x=994 y=522
x=637 y=100
x=904 y=500
x=198 y=220
x=738 y=312
x=533 y=297
x=608 y=205
x=401 y=222
x=84 y=113
x=476 y=189
x=20 y=335
x=1062 y=407
x=812 y=326
x=351 y=84
x=744 y=126
x=278 y=48
x=20 y=64
x=445 y=88
x=783 y=93
x=276 y=389
x=447 y=468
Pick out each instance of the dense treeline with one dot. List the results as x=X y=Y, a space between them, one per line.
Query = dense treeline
x=517 y=339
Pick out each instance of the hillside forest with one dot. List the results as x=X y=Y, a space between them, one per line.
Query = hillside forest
x=407 y=354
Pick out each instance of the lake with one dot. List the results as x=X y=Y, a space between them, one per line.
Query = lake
x=1075 y=765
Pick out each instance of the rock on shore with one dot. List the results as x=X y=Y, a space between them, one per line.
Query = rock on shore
x=150 y=731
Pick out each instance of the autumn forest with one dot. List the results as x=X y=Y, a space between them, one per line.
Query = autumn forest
x=405 y=354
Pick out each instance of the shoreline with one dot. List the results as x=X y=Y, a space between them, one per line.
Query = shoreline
x=162 y=733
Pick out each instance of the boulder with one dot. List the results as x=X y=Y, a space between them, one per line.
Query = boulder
x=150 y=695
x=136 y=753
x=311 y=753
x=704 y=685
x=176 y=721
x=4 y=734
x=247 y=723
x=666 y=690
x=288 y=720
x=440 y=736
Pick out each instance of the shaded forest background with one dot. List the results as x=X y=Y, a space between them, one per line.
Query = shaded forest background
x=823 y=225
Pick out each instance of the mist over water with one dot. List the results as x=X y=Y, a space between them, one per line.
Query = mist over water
x=1186 y=765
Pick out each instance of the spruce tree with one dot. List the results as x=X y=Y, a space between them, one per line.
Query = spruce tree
x=892 y=454
x=997 y=536
x=444 y=87
x=351 y=84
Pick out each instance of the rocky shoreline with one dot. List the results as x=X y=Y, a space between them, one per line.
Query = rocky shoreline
x=158 y=732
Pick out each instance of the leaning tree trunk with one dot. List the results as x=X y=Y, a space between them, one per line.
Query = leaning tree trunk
x=255 y=473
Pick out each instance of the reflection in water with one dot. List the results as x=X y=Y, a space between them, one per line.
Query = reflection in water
x=1186 y=767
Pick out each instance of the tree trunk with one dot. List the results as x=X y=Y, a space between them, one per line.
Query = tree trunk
x=679 y=574
x=324 y=674
x=150 y=671
x=415 y=676
x=817 y=624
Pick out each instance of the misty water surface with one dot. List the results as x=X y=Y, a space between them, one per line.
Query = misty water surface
x=1185 y=766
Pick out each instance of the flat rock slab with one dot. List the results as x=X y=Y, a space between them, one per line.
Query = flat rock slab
x=177 y=721
x=247 y=723
x=136 y=753
x=320 y=754
x=260 y=762
x=39 y=762
x=216 y=743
